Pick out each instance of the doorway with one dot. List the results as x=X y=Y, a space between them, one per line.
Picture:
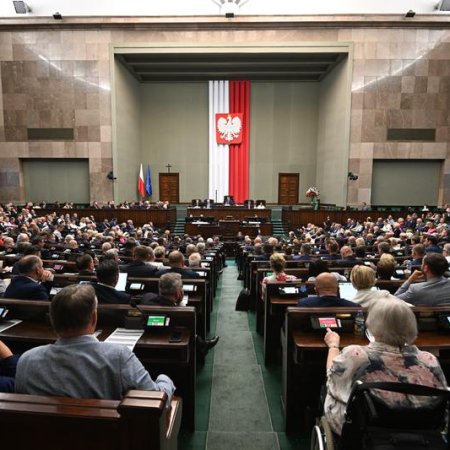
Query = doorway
x=169 y=187
x=288 y=184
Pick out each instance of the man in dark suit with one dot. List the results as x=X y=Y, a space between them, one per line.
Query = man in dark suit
x=85 y=265
x=208 y=203
x=139 y=267
x=333 y=251
x=176 y=263
x=348 y=258
x=305 y=253
x=228 y=200
x=108 y=276
x=417 y=254
x=170 y=289
x=431 y=244
x=33 y=282
x=327 y=293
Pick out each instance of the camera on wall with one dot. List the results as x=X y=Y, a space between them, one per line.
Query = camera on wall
x=352 y=176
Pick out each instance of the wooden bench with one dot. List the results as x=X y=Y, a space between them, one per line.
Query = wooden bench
x=140 y=421
x=157 y=354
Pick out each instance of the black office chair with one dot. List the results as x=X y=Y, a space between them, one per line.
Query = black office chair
x=372 y=425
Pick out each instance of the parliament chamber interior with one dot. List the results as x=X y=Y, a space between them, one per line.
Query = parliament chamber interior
x=241 y=201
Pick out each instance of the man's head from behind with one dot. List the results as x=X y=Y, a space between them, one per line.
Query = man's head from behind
x=142 y=253
x=434 y=265
x=31 y=266
x=73 y=311
x=108 y=272
x=176 y=259
x=171 y=286
x=326 y=284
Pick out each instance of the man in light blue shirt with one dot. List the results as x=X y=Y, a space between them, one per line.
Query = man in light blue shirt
x=78 y=365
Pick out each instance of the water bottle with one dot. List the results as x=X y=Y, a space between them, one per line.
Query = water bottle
x=359 y=326
x=408 y=266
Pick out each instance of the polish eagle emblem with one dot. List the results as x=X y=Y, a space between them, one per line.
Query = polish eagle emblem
x=229 y=128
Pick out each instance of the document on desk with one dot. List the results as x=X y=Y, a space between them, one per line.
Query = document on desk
x=125 y=337
x=5 y=324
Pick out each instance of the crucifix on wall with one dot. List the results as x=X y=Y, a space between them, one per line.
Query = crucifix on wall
x=168 y=168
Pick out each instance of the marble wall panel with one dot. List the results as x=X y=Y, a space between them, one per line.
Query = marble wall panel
x=61 y=78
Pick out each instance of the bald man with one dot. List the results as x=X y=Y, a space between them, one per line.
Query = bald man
x=176 y=263
x=327 y=293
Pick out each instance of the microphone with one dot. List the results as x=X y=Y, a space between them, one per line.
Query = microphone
x=134 y=322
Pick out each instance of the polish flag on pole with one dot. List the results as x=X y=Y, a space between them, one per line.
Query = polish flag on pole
x=141 y=184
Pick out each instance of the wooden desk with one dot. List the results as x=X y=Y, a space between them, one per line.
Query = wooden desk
x=305 y=353
x=157 y=354
x=221 y=212
x=228 y=228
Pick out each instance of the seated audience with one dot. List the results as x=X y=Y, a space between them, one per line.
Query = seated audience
x=435 y=290
x=390 y=357
x=8 y=364
x=363 y=280
x=140 y=266
x=33 y=283
x=107 y=278
x=327 y=293
x=78 y=365
x=277 y=264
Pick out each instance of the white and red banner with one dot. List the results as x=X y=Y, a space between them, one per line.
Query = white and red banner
x=229 y=139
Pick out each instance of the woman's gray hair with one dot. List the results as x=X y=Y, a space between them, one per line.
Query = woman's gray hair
x=392 y=322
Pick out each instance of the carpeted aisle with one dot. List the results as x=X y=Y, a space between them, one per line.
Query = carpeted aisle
x=239 y=414
x=238 y=399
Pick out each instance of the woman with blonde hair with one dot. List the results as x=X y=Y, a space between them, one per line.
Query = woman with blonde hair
x=386 y=267
x=363 y=280
x=277 y=264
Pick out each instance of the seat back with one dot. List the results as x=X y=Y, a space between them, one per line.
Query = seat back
x=372 y=424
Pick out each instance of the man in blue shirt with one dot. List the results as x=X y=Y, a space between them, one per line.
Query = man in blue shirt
x=327 y=293
x=78 y=365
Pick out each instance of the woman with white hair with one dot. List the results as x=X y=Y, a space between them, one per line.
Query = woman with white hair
x=390 y=356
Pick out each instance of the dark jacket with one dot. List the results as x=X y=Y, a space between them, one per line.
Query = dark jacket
x=325 y=300
x=185 y=273
x=109 y=295
x=22 y=287
x=7 y=373
x=138 y=269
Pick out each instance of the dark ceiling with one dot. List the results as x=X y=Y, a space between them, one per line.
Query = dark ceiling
x=151 y=67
